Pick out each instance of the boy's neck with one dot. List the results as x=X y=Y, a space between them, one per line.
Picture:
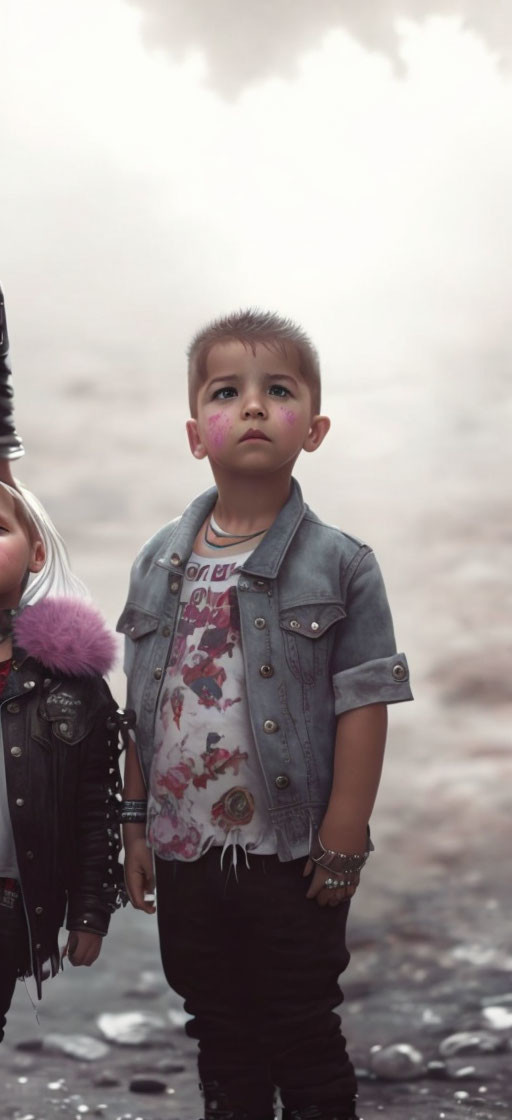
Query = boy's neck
x=246 y=502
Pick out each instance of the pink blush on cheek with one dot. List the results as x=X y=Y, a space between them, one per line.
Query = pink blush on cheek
x=288 y=415
x=218 y=428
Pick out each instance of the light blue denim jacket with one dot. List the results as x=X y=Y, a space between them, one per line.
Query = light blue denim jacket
x=317 y=640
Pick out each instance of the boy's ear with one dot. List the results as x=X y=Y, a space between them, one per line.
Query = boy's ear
x=37 y=557
x=317 y=432
x=194 y=439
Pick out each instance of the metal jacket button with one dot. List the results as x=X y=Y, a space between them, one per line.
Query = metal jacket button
x=13 y=708
x=174 y=585
x=157 y=674
x=176 y=559
x=243 y=585
x=260 y=623
x=294 y=624
x=39 y=909
x=399 y=671
x=282 y=781
x=266 y=671
x=29 y=684
x=20 y=801
x=270 y=725
x=315 y=625
x=16 y=752
x=29 y=855
x=166 y=630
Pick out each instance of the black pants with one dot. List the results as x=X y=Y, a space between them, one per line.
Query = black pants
x=13 y=946
x=258 y=965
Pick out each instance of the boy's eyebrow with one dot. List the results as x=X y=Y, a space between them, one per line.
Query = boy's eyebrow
x=239 y=376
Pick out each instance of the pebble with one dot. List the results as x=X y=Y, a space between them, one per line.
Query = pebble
x=398 y=1062
x=147 y=1085
x=80 y=1046
x=470 y=1042
x=437 y=1069
x=32 y=1045
x=132 y=1028
x=106 y=1080
x=497 y=1017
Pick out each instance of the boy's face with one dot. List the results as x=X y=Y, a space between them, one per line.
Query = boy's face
x=254 y=412
x=17 y=554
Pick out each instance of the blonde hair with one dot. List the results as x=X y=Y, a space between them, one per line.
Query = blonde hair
x=56 y=576
x=250 y=327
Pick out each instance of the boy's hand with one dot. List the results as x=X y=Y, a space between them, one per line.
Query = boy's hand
x=138 y=873
x=82 y=947
x=326 y=896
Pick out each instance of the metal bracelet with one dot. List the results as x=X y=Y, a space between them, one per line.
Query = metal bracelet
x=133 y=818
x=134 y=810
x=339 y=862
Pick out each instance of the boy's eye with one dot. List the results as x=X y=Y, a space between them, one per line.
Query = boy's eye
x=224 y=394
x=279 y=391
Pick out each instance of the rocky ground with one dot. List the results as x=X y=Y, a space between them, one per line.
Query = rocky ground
x=428 y=1013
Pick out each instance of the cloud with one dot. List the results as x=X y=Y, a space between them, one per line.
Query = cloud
x=245 y=43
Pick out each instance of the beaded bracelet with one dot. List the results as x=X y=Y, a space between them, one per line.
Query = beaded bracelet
x=134 y=811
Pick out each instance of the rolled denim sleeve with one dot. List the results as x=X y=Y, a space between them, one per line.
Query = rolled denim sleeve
x=366 y=667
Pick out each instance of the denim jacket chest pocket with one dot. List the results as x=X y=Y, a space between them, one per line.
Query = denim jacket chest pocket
x=308 y=631
x=139 y=625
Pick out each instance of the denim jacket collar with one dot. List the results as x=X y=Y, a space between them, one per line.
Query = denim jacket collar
x=266 y=559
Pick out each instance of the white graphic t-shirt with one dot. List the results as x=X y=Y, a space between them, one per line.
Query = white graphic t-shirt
x=206 y=784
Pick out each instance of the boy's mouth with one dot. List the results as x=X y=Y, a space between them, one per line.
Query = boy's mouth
x=253 y=433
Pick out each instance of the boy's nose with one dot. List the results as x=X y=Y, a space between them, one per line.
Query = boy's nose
x=253 y=405
x=253 y=410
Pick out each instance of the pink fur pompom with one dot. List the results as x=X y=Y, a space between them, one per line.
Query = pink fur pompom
x=67 y=636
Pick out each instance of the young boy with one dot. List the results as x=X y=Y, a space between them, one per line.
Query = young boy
x=260 y=658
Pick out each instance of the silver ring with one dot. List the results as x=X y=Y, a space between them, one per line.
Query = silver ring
x=331 y=884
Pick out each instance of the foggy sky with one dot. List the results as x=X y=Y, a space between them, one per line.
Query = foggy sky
x=245 y=42
x=369 y=203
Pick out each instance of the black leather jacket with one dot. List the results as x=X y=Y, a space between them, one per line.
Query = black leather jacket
x=11 y=446
x=60 y=740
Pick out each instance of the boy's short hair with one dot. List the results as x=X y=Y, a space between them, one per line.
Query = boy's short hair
x=250 y=327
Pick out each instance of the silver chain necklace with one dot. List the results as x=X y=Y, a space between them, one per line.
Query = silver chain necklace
x=241 y=538
x=215 y=527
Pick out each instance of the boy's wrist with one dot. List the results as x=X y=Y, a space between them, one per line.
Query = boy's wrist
x=341 y=835
x=132 y=831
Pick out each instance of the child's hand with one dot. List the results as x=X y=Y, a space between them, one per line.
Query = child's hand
x=326 y=896
x=138 y=874
x=82 y=947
